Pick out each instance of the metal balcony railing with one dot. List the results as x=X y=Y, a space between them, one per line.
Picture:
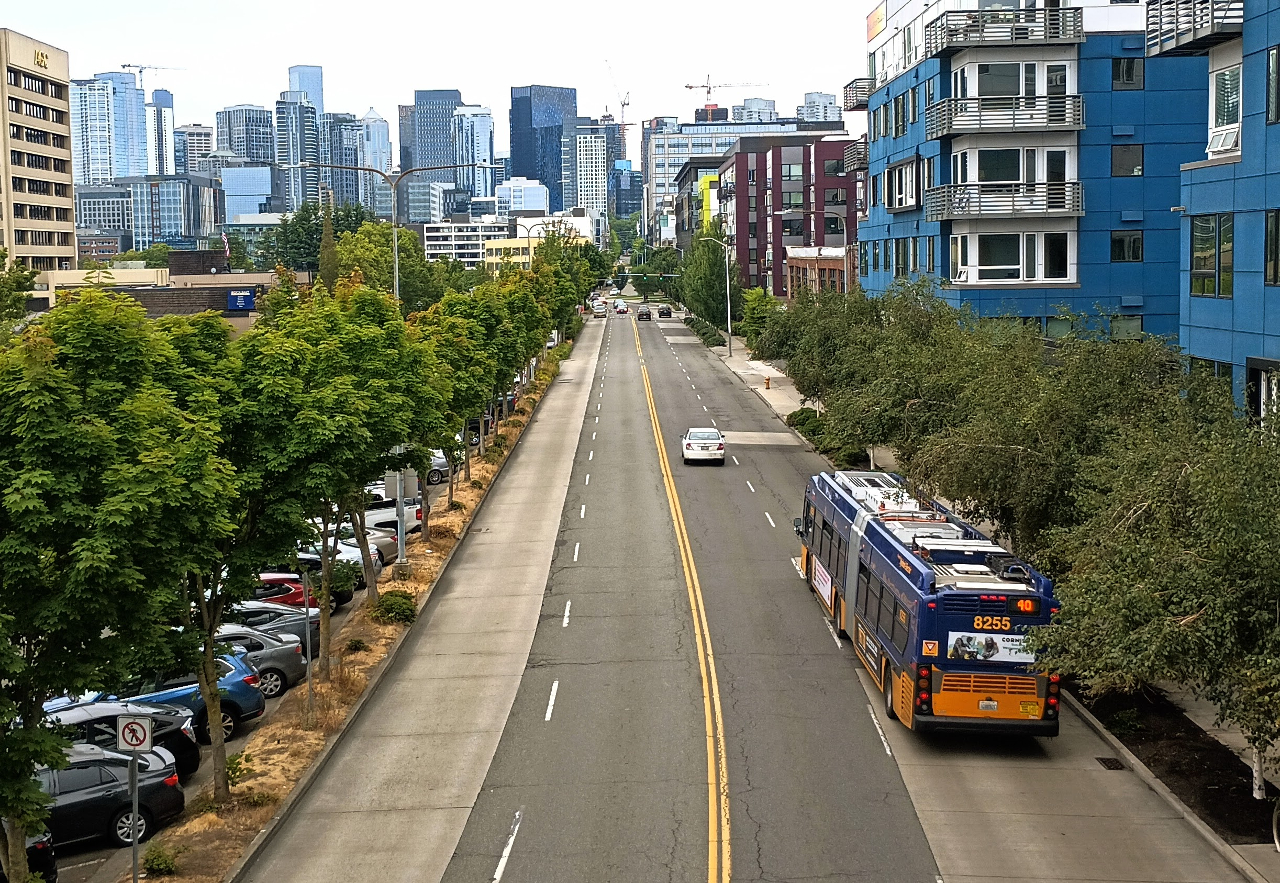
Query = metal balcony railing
x=858 y=92
x=855 y=155
x=1041 y=113
x=952 y=31
x=1190 y=27
x=1005 y=200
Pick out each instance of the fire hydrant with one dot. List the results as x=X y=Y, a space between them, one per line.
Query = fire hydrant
x=766 y=382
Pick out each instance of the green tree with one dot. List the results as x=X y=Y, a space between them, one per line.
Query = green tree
x=15 y=281
x=758 y=306
x=370 y=250
x=328 y=252
x=295 y=243
x=108 y=483
x=702 y=280
x=239 y=257
x=96 y=273
x=155 y=256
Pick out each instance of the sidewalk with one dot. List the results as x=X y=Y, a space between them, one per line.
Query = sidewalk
x=783 y=398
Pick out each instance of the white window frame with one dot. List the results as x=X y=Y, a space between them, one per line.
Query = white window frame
x=900 y=191
x=1225 y=138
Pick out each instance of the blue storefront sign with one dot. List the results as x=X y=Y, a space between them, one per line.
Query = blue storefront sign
x=240 y=299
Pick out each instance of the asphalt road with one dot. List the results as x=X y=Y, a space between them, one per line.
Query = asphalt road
x=613 y=786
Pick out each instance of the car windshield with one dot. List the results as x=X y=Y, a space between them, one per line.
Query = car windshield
x=704 y=435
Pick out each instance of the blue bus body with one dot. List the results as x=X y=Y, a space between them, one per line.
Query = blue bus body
x=935 y=610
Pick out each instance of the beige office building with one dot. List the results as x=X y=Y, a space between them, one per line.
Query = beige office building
x=37 y=207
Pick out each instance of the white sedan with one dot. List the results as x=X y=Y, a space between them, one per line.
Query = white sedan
x=702 y=444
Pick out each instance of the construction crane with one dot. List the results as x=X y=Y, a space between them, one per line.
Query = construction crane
x=139 y=68
x=708 y=86
x=623 y=100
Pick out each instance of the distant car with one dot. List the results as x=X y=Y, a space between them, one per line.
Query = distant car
x=41 y=859
x=613 y=292
x=702 y=444
x=621 y=309
x=599 y=310
x=664 y=312
x=91 y=796
x=278 y=620
x=94 y=723
x=642 y=312
x=279 y=660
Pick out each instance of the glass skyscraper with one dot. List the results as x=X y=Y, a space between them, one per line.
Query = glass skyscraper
x=538 y=118
x=249 y=131
x=309 y=78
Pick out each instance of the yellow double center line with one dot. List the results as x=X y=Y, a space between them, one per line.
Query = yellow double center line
x=719 y=854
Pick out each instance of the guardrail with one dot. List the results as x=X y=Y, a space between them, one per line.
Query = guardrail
x=858 y=92
x=1190 y=27
x=1005 y=200
x=1040 y=113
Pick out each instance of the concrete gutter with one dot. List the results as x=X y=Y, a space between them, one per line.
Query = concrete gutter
x=287 y=806
x=1210 y=836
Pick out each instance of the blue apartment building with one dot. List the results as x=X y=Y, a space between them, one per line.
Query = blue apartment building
x=1229 y=255
x=1027 y=154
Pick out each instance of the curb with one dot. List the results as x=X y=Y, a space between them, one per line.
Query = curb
x=1233 y=858
x=287 y=806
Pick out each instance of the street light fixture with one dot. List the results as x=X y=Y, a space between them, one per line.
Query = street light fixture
x=826 y=213
x=728 y=301
x=402 y=568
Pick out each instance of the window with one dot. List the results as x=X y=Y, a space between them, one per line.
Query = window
x=875 y=255
x=929 y=260
x=1126 y=246
x=832 y=167
x=834 y=196
x=751 y=229
x=1126 y=327
x=929 y=180
x=914 y=264
x=873 y=131
x=900 y=186
x=999 y=79
x=1271 y=250
x=792 y=199
x=901 y=627
x=998 y=256
x=899 y=257
x=999 y=165
x=1126 y=160
x=792 y=226
x=900 y=116
x=78 y=778
x=1224 y=110
x=885 y=623
x=792 y=171
x=1126 y=74
x=913 y=97
x=1212 y=255
x=833 y=225
x=928 y=93
x=863 y=266
x=1273 y=84
x=1056 y=263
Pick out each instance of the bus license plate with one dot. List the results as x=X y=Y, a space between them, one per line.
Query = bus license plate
x=1029 y=707
x=988 y=705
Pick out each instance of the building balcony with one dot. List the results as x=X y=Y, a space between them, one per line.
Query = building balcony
x=855 y=155
x=953 y=31
x=1051 y=199
x=1190 y=27
x=1041 y=113
x=858 y=92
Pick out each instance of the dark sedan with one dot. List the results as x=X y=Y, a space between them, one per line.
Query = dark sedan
x=91 y=796
x=278 y=620
x=94 y=723
x=664 y=312
x=41 y=860
x=643 y=313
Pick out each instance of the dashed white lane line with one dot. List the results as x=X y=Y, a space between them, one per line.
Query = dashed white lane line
x=704 y=407
x=601 y=394
x=582 y=513
x=597 y=406
x=735 y=460
x=567 y=605
x=699 y=397
x=875 y=720
x=588 y=481
x=691 y=386
x=713 y=421
x=551 y=703
x=576 y=546
x=591 y=455
x=597 y=419
x=825 y=622
x=506 y=853
x=752 y=486
x=766 y=515
x=593 y=436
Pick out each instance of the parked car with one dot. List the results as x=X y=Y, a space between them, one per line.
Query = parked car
x=439 y=469
x=381 y=513
x=664 y=312
x=242 y=701
x=599 y=310
x=280 y=661
x=41 y=859
x=309 y=560
x=278 y=620
x=282 y=588
x=94 y=723
x=91 y=795
x=642 y=313
x=382 y=542
x=702 y=444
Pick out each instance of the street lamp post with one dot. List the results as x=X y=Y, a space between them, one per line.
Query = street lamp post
x=728 y=300
x=402 y=567
x=825 y=213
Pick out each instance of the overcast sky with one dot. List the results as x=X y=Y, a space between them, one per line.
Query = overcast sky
x=239 y=52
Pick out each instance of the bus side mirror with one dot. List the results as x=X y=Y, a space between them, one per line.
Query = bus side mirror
x=799 y=526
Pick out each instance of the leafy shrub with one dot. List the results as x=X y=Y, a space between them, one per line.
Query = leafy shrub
x=499 y=440
x=707 y=333
x=493 y=457
x=159 y=860
x=260 y=798
x=355 y=645
x=238 y=766
x=395 y=605
x=458 y=505
x=521 y=411
x=477 y=484
x=512 y=423
x=808 y=423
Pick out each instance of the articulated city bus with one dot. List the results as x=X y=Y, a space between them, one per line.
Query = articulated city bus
x=935 y=610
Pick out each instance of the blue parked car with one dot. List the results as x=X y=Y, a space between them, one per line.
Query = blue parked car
x=241 y=699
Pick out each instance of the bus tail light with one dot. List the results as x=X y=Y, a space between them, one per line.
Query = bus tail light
x=1051 y=702
x=924 y=689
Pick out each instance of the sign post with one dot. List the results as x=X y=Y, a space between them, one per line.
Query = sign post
x=133 y=734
